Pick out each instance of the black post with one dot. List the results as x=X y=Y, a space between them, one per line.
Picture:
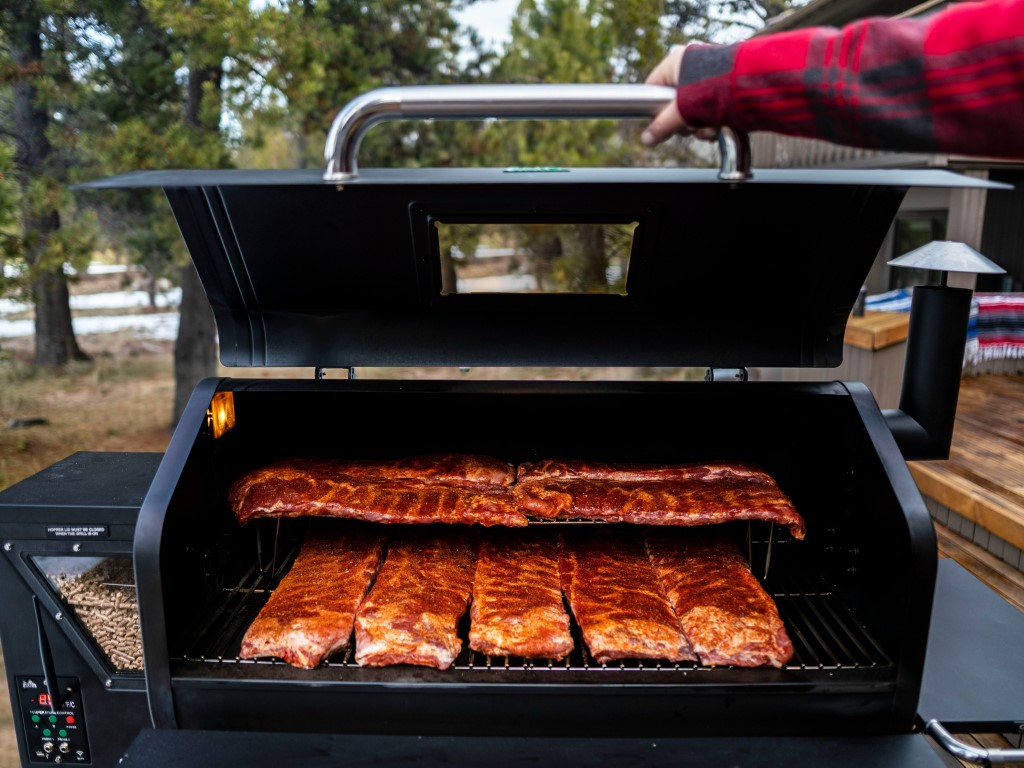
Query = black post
x=923 y=423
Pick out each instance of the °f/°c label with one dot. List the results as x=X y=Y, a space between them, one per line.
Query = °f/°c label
x=77 y=532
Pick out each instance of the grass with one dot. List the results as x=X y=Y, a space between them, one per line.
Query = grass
x=108 y=405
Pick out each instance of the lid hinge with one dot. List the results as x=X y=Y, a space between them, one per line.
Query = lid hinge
x=321 y=373
x=726 y=374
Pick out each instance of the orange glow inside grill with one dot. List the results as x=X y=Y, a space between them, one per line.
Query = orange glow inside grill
x=222 y=413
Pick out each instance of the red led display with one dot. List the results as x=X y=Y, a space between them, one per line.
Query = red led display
x=44 y=699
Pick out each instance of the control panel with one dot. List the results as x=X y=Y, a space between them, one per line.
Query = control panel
x=53 y=734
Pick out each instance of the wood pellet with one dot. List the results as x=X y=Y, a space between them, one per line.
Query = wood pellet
x=104 y=601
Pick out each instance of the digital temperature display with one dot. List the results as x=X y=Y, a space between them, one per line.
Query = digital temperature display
x=53 y=724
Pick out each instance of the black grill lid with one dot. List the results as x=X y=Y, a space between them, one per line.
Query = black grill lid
x=762 y=272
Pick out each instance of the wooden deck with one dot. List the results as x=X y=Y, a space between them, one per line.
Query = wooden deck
x=983 y=480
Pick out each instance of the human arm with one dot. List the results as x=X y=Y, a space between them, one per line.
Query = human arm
x=950 y=82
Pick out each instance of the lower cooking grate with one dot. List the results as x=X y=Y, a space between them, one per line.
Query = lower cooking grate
x=825 y=635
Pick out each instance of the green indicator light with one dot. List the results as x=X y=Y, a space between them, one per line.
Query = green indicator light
x=62 y=733
x=52 y=718
x=46 y=731
x=35 y=718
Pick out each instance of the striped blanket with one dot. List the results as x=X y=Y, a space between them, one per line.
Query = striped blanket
x=995 y=330
x=890 y=301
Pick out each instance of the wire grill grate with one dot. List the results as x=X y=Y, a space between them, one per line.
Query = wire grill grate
x=825 y=635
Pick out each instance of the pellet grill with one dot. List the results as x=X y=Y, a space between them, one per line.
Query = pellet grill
x=348 y=269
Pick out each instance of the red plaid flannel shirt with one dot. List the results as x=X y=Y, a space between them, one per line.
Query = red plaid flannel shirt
x=951 y=82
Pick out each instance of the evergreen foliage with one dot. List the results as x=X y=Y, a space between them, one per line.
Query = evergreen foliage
x=90 y=88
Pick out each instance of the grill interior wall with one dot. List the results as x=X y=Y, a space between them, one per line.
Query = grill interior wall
x=810 y=439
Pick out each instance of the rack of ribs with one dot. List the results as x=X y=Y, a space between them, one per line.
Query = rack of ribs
x=310 y=614
x=683 y=495
x=727 y=615
x=517 y=605
x=615 y=596
x=453 y=488
x=412 y=613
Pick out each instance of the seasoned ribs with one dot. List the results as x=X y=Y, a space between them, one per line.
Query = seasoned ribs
x=517 y=598
x=309 y=616
x=448 y=468
x=411 y=615
x=725 y=612
x=460 y=493
x=615 y=596
x=581 y=469
x=719 y=495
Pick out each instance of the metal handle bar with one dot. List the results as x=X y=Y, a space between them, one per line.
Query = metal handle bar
x=971 y=754
x=479 y=102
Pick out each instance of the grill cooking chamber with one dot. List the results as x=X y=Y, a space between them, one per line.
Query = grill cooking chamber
x=855 y=594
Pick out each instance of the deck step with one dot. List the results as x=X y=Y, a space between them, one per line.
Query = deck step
x=979 y=491
x=1002 y=578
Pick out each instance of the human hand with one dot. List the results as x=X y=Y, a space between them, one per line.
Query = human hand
x=669 y=121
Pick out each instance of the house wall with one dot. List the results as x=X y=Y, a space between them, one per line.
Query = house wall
x=1002 y=238
x=881 y=370
x=836 y=13
x=916 y=200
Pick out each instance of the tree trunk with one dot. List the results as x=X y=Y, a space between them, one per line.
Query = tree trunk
x=195 y=116
x=594 y=274
x=55 y=340
x=55 y=337
x=195 y=350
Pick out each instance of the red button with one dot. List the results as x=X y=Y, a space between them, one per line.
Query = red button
x=71 y=719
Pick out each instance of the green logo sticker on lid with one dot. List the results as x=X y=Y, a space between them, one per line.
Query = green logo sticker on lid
x=536 y=169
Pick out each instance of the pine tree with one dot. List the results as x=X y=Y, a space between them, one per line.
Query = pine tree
x=47 y=234
x=325 y=53
x=144 y=116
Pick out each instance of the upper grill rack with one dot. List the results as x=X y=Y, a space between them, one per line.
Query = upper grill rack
x=825 y=634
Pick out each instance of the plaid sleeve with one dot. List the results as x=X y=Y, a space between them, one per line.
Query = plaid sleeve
x=950 y=82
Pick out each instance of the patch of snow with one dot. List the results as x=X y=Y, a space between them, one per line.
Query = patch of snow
x=12 y=329
x=497 y=284
x=162 y=326
x=12 y=306
x=106 y=269
x=99 y=269
x=125 y=299
x=158 y=326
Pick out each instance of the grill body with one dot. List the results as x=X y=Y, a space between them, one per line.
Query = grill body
x=300 y=273
x=855 y=595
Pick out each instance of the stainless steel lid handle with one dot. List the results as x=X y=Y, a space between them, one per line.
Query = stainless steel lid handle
x=481 y=102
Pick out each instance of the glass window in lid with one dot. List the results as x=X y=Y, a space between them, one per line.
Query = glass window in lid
x=532 y=257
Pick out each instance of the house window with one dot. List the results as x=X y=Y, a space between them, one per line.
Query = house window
x=912 y=230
